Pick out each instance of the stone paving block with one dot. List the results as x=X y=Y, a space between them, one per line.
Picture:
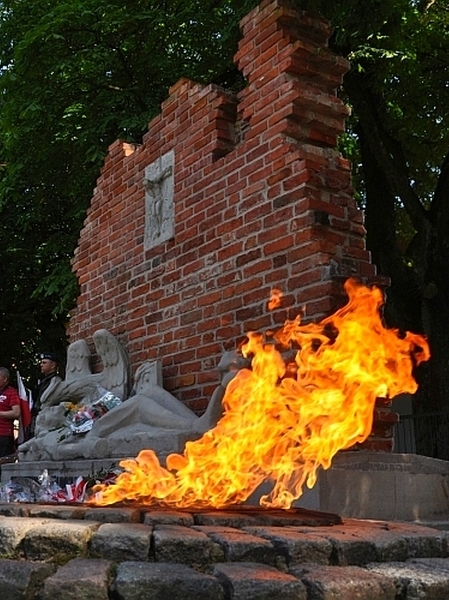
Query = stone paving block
x=380 y=543
x=422 y=541
x=164 y=581
x=58 y=540
x=21 y=580
x=107 y=514
x=400 y=541
x=390 y=545
x=251 y=581
x=348 y=548
x=344 y=583
x=122 y=541
x=240 y=545
x=168 y=517
x=80 y=579
x=417 y=579
x=56 y=511
x=178 y=544
x=12 y=534
x=14 y=509
x=294 y=546
x=224 y=519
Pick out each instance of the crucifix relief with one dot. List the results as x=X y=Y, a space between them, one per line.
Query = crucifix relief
x=159 y=208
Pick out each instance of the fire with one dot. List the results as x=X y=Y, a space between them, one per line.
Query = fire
x=275 y=299
x=283 y=425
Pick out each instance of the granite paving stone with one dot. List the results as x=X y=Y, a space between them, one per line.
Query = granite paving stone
x=240 y=545
x=224 y=519
x=80 y=579
x=52 y=511
x=387 y=544
x=252 y=581
x=23 y=580
x=56 y=538
x=296 y=546
x=350 y=549
x=168 y=517
x=136 y=554
x=175 y=543
x=12 y=534
x=107 y=514
x=348 y=583
x=164 y=581
x=423 y=541
x=122 y=541
x=417 y=579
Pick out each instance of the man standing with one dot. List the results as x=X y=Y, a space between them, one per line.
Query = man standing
x=49 y=369
x=9 y=412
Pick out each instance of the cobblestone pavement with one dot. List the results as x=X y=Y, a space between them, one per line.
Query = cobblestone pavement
x=51 y=552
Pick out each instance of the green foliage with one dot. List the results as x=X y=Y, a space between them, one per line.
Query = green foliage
x=75 y=76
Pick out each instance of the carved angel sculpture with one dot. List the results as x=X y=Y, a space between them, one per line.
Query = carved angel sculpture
x=80 y=381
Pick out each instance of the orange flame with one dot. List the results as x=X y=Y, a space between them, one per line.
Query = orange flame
x=281 y=427
x=275 y=299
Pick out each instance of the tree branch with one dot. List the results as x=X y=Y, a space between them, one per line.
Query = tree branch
x=383 y=146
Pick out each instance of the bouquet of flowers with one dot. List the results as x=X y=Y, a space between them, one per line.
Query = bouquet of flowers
x=81 y=420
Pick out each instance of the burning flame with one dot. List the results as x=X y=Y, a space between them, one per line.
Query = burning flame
x=275 y=299
x=281 y=425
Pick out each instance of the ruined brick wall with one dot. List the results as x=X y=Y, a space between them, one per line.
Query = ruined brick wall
x=261 y=199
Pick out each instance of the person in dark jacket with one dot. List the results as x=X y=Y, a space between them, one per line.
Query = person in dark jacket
x=49 y=370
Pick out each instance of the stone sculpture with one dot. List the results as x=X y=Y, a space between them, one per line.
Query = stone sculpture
x=80 y=381
x=150 y=417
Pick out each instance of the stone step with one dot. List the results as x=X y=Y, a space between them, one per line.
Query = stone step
x=80 y=551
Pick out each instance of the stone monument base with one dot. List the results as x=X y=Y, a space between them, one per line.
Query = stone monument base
x=378 y=485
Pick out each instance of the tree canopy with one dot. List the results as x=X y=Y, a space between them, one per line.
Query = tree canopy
x=78 y=74
x=75 y=76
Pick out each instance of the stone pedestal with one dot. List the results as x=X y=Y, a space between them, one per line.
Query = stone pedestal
x=377 y=485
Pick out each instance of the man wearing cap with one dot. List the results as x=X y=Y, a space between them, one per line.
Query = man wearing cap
x=9 y=412
x=49 y=369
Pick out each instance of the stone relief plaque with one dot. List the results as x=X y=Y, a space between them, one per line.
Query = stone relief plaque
x=159 y=206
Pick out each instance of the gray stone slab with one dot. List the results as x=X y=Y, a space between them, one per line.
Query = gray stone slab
x=380 y=485
x=175 y=543
x=168 y=517
x=122 y=541
x=58 y=540
x=344 y=583
x=164 y=581
x=422 y=541
x=240 y=546
x=56 y=511
x=12 y=534
x=295 y=546
x=107 y=514
x=22 y=580
x=80 y=579
x=385 y=544
x=417 y=579
x=224 y=518
x=250 y=581
x=11 y=509
x=349 y=549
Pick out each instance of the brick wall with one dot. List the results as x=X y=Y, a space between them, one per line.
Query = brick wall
x=261 y=200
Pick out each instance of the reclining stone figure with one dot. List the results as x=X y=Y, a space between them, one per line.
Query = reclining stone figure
x=150 y=417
